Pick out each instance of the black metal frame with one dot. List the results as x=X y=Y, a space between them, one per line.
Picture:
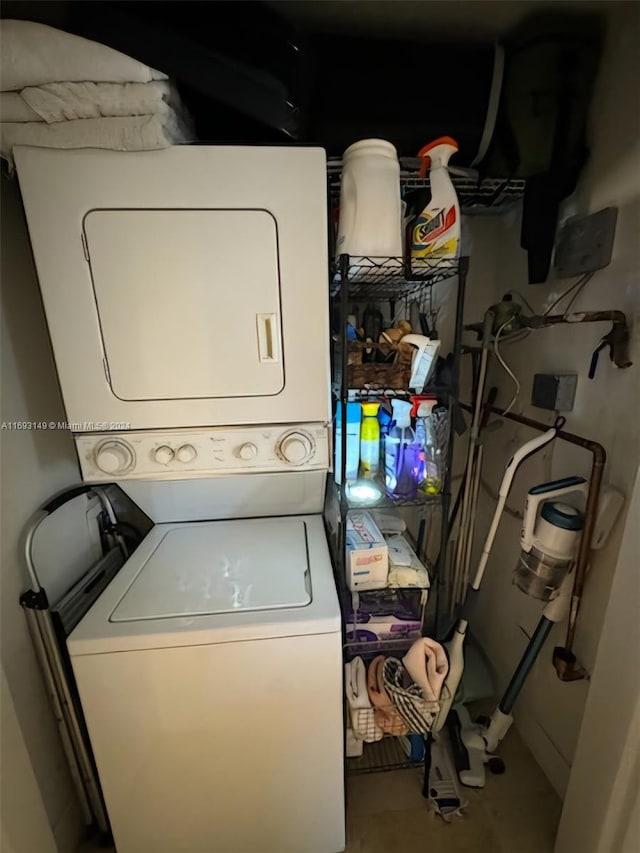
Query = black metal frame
x=381 y=278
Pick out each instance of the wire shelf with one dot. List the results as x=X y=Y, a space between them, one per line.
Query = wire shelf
x=374 y=277
x=369 y=648
x=373 y=393
x=476 y=195
x=385 y=754
x=421 y=500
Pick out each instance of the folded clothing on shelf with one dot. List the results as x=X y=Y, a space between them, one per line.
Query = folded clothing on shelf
x=67 y=101
x=427 y=665
x=360 y=708
x=386 y=715
x=33 y=54
x=419 y=713
x=64 y=91
x=120 y=133
x=353 y=745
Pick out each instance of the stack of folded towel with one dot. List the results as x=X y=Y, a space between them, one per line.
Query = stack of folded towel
x=395 y=697
x=63 y=91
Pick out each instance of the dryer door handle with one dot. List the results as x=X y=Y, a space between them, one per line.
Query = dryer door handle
x=268 y=349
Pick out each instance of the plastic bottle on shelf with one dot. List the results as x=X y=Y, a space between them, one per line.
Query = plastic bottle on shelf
x=431 y=480
x=436 y=232
x=354 y=414
x=370 y=206
x=370 y=441
x=402 y=455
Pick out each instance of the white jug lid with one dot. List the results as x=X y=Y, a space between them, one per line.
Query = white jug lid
x=372 y=146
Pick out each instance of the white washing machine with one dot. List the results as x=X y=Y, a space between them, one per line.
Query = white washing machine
x=210 y=680
x=209 y=670
x=186 y=293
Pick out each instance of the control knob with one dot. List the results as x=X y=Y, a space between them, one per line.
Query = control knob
x=186 y=453
x=114 y=457
x=296 y=448
x=248 y=451
x=163 y=454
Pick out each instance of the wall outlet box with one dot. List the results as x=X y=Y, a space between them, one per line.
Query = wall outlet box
x=554 y=391
x=585 y=243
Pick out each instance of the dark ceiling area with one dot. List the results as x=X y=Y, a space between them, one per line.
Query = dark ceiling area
x=328 y=73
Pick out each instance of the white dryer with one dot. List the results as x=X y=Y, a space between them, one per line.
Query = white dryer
x=184 y=287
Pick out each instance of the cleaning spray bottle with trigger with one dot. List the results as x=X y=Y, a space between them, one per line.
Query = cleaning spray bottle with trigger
x=426 y=437
x=402 y=455
x=436 y=232
x=423 y=361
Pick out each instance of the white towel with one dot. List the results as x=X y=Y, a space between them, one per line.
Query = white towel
x=13 y=107
x=69 y=101
x=133 y=133
x=419 y=712
x=33 y=54
x=360 y=708
x=427 y=664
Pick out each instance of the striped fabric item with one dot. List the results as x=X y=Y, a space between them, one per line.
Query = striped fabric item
x=419 y=713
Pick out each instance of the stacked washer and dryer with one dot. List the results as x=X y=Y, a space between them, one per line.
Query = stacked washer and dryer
x=185 y=292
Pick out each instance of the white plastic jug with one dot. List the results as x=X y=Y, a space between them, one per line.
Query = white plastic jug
x=370 y=208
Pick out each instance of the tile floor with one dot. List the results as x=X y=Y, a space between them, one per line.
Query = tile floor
x=514 y=813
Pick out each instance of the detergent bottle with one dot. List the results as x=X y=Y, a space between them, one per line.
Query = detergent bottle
x=436 y=232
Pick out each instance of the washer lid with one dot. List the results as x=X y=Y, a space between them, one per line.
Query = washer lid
x=205 y=569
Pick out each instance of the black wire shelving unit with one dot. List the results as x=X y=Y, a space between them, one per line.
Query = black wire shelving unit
x=361 y=279
x=374 y=278
x=476 y=194
x=382 y=755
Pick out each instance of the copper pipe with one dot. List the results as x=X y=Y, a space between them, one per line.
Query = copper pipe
x=618 y=318
x=563 y=658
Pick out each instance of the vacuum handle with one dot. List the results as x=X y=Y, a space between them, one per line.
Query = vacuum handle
x=566 y=486
x=520 y=455
x=512 y=465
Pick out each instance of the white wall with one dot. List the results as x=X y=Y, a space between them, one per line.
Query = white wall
x=24 y=825
x=35 y=465
x=606 y=410
x=606 y=815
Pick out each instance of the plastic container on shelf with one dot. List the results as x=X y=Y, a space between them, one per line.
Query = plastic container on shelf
x=370 y=207
x=354 y=414
x=436 y=233
x=431 y=472
x=370 y=441
x=402 y=455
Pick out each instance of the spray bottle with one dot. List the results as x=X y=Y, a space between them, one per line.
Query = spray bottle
x=369 y=441
x=427 y=439
x=436 y=232
x=402 y=455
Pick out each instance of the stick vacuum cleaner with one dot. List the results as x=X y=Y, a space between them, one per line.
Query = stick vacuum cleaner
x=550 y=536
x=455 y=646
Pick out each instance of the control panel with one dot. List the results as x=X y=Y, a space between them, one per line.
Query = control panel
x=181 y=454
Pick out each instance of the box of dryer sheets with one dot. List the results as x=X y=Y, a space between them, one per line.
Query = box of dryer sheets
x=367 y=553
